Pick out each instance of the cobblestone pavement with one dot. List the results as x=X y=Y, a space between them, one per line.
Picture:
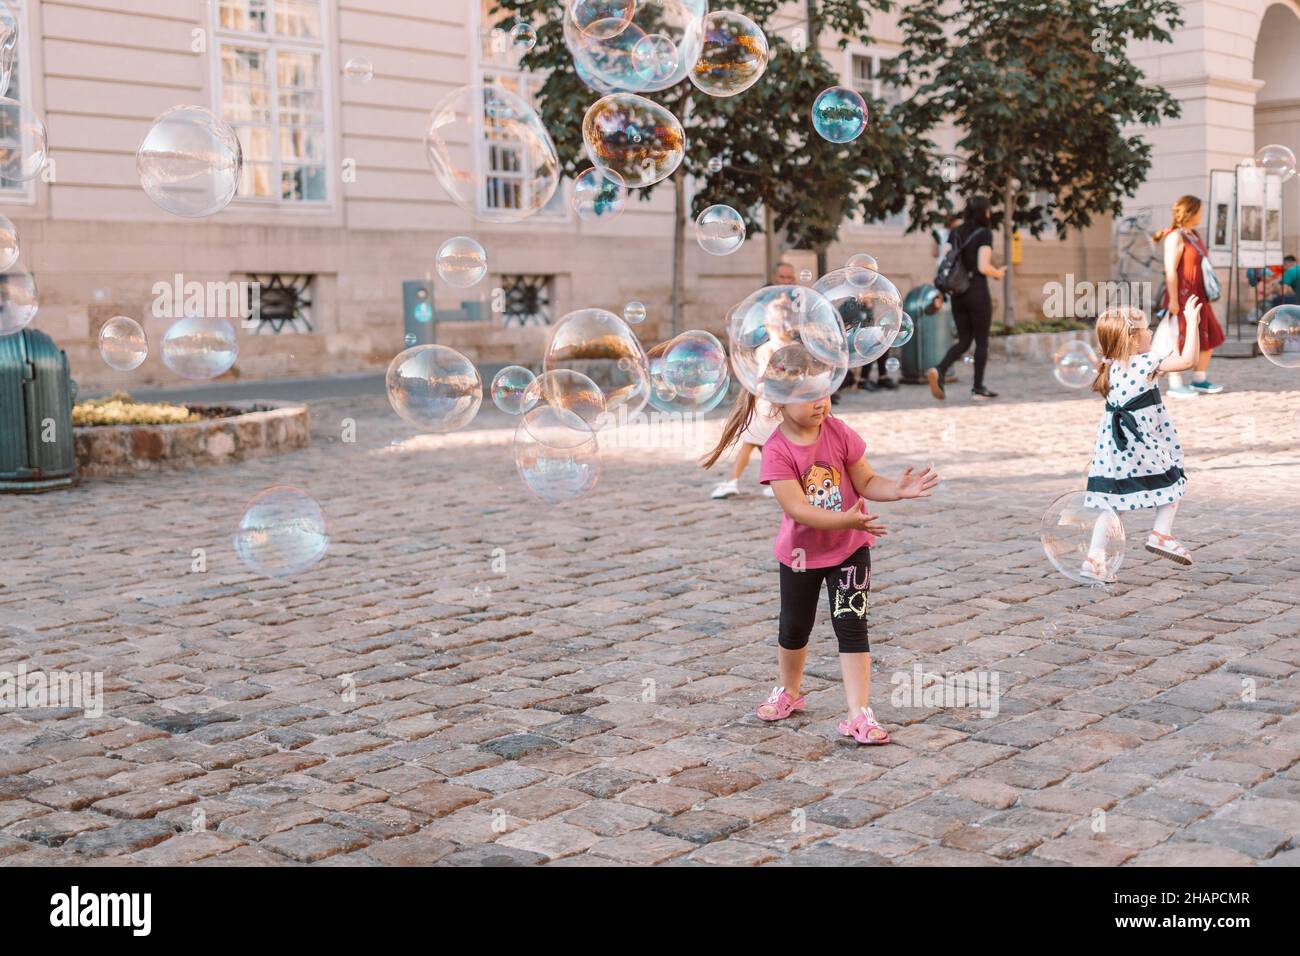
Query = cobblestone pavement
x=469 y=677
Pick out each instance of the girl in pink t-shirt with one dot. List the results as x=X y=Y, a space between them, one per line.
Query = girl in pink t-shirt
x=817 y=466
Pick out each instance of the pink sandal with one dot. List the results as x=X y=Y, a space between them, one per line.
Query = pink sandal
x=862 y=726
x=779 y=705
x=1167 y=546
x=1095 y=570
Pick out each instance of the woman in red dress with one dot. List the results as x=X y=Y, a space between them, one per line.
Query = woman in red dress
x=1184 y=277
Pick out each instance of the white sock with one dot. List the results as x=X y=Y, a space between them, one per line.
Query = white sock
x=1175 y=380
x=1100 y=531
x=1200 y=376
x=1164 y=518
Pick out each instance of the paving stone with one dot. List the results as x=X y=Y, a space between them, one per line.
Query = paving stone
x=121 y=838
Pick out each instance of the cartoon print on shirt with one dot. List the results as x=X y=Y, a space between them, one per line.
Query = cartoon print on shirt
x=821 y=483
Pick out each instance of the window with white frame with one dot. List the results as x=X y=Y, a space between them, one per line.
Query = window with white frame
x=272 y=89
x=1044 y=199
x=502 y=160
x=16 y=52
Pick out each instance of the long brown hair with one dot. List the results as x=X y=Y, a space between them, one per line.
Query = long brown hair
x=742 y=413
x=1116 y=330
x=1185 y=210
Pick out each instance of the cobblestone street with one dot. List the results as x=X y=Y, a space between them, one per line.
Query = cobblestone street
x=470 y=677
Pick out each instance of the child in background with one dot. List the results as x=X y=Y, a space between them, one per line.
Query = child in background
x=1137 y=461
x=750 y=423
x=818 y=469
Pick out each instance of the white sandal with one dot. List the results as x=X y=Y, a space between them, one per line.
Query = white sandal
x=1095 y=570
x=1167 y=546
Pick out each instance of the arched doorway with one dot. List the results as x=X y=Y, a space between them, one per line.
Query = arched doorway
x=1277 y=104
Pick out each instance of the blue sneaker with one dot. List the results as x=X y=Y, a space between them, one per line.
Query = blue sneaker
x=1181 y=391
x=1207 y=387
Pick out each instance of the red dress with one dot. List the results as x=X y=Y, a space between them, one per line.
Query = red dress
x=1191 y=279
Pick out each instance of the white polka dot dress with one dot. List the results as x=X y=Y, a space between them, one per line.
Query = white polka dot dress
x=1127 y=473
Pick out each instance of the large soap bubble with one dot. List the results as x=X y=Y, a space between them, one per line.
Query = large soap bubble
x=1075 y=364
x=599 y=195
x=199 y=347
x=720 y=230
x=1084 y=544
x=122 y=343
x=839 y=114
x=23 y=142
x=637 y=139
x=870 y=307
x=461 y=261
x=190 y=162
x=469 y=116
x=788 y=345
x=651 y=47
x=282 y=533
x=567 y=391
x=1279 y=335
x=556 y=454
x=434 y=388
x=19 y=300
x=689 y=373
x=733 y=57
x=603 y=347
x=1277 y=160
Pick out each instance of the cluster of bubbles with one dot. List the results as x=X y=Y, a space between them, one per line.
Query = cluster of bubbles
x=282 y=533
x=1072 y=532
x=461 y=262
x=788 y=344
x=870 y=307
x=634 y=46
x=1075 y=364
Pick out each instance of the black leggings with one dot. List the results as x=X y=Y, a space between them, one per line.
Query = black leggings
x=848 y=585
x=974 y=316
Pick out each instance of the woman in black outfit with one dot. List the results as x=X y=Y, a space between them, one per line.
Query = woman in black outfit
x=973 y=309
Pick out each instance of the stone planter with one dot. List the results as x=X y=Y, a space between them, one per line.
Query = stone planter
x=104 y=450
x=1035 y=346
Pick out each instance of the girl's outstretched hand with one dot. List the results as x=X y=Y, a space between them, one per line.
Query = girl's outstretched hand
x=914 y=485
x=857 y=519
x=1192 y=310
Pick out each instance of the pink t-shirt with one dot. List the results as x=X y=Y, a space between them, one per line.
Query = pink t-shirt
x=822 y=470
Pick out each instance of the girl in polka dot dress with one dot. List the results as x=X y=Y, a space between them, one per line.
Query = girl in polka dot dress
x=1138 y=459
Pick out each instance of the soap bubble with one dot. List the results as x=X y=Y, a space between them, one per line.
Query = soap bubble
x=1277 y=160
x=523 y=37
x=434 y=388
x=862 y=260
x=9 y=247
x=122 y=343
x=1279 y=335
x=478 y=114
x=1072 y=532
x=601 y=19
x=1049 y=630
x=634 y=313
x=567 y=391
x=461 y=262
x=410 y=339
x=839 y=114
x=601 y=346
x=655 y=57
x=282 y=533
x=689 y=373
x=637 y=139
x=23 y=142
x=715 y=164
x=8 y=46
x=190 y=162
x=1074 y=364
x=556 y=454
x=599 y=194
x=609 y=47
x=359 y=69
x=199 y=347
x=805 y=275
x=19 y=300
x=733 y=56
x=950 y=168
x=869 y=306
x=906 y=328
x=787 y=344
x=720 y=230
x=968 y=359
x=508 y=387
x=892 y=365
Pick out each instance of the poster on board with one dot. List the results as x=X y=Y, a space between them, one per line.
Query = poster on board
x=1221 y=220
x=1250 y=217
x=1272 y=221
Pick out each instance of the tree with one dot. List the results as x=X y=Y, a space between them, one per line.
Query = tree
x=1041 y=91
x=774 y=165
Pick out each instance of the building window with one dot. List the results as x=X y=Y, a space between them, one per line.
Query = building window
x=273 y=87
x=282 y=304
x=527 y=299
x=18 y=79
x=1043 y=200
x=869 y=72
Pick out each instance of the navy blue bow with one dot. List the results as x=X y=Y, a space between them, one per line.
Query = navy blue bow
x=1122 y=417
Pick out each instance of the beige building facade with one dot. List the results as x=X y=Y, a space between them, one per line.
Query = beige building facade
x=338 y=207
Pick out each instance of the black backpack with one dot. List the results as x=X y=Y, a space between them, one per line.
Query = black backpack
x=952 y=277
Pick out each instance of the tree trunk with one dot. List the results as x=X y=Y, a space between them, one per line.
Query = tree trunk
x=679 y=243
x=769 y=245
x=1008 y=226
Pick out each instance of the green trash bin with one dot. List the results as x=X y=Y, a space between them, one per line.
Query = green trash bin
x=37 y=446
x=934 y=334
